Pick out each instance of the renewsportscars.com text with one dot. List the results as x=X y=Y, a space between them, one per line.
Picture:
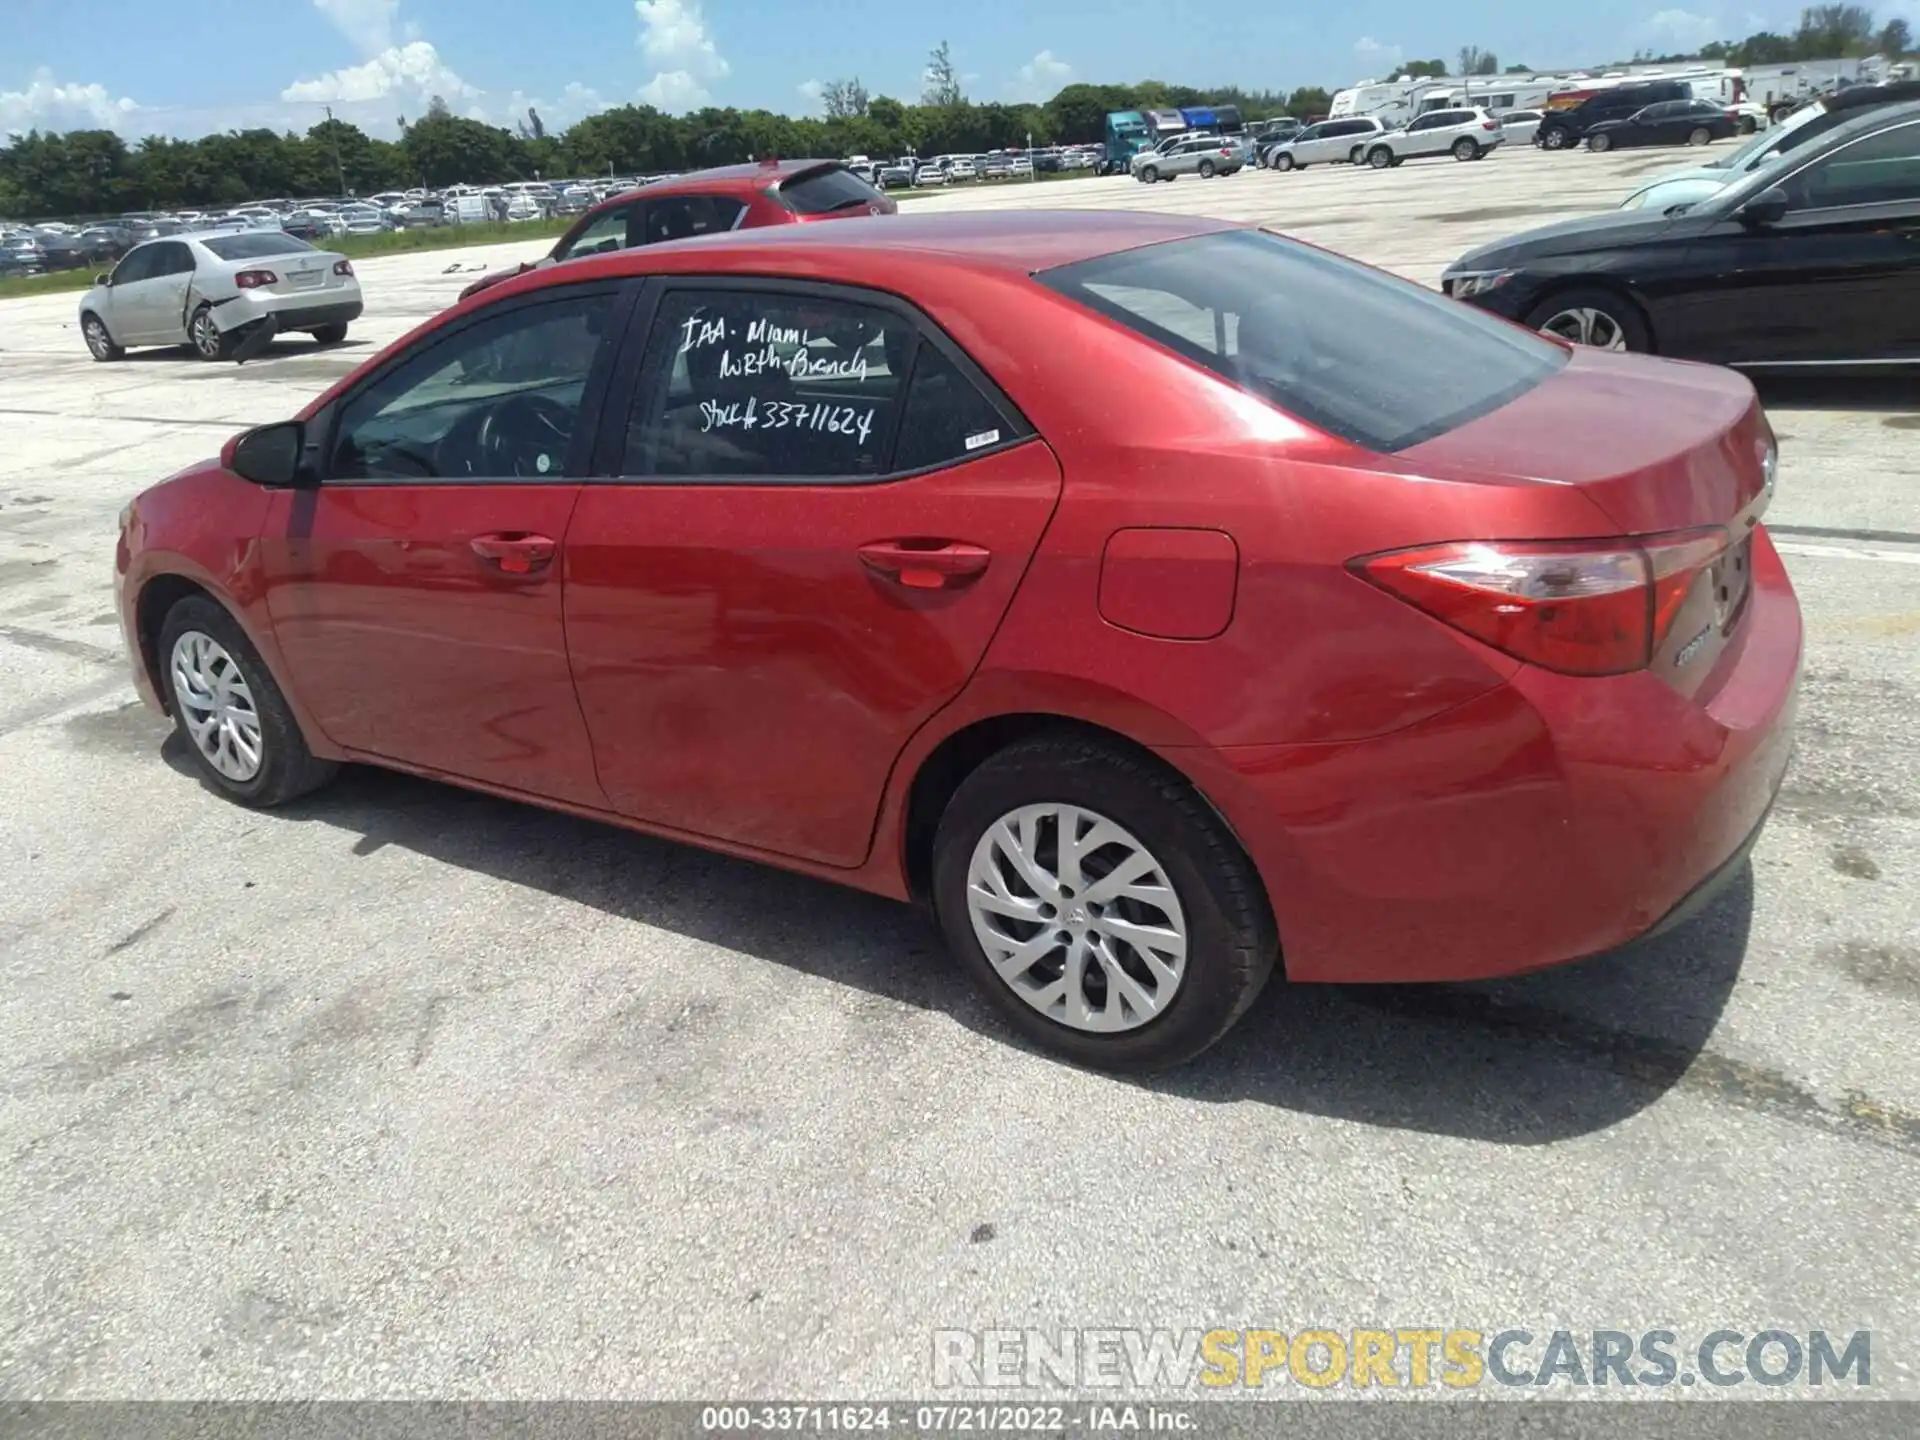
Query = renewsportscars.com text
x=1404 y=1357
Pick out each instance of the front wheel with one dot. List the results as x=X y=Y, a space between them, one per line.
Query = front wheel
x=1100 y=904
x=1597 y=318
x=1282 y=162
x=1149 y=174
x=1465 y=149
x=99 y=341
x=1748 y=125
x=1700 y=135
x=1553 y=139
x=1380 y=157
x=229 y=711
x=1600 y=144
x=206 y=337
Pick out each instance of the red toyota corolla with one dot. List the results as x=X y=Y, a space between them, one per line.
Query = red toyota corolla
x=1158 y=599
x=710 y=202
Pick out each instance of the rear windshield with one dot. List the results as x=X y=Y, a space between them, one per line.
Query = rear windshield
x=1373 y=359
x=820 y=192
x=254 y=245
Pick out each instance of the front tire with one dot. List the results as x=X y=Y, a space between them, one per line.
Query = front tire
x=1554 y=138
x=1601 y=319
x=229 y=712
x=1168 y=938
x=1380 y=157
x=99 y=339
x=1281 y=162
x=206 y=338
x=1700 y=135
x=1149 y=174
x=1465 y=149
x=1600 y=144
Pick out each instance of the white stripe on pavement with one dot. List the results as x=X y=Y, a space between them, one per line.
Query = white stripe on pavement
x=1847 y=552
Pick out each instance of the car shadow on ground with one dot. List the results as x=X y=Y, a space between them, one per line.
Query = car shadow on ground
x=1886 y=391
x=293 y=346
x=1524 y=1062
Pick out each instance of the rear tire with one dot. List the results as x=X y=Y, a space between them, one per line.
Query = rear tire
x=1218 y=909
x=330 y=334
x=207 y=340
x=99 y=339
x=1589 y=315
x=1465 y=149
x=215 y=681
x=1206 y=169
x=1380 y=157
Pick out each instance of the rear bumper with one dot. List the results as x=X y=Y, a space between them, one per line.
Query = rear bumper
x=1547 y=820
x=291 y=312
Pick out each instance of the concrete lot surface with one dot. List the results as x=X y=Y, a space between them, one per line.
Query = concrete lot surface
x=405 y=1091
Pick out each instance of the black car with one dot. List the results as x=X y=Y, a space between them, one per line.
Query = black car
x=1813 y=259
x=1671 y=122
x=60 y=251
x=1564 y=129
x=104 y=243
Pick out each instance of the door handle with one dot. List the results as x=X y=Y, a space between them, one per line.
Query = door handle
x=514 y=552
x=926 y=564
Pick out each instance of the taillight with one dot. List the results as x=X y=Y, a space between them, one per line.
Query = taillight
x=1489 y=125
x=343 y=267
x=1582 y=607
x=254 y=279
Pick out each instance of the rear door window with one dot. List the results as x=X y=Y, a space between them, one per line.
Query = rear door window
x=822 y=192
x=1882 y=169
x=1341 y=346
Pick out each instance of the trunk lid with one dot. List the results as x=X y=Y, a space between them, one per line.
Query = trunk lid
x=1655 y=445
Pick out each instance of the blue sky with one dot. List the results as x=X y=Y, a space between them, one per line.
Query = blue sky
x=205 y=65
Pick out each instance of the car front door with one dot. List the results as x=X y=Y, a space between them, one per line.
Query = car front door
x=1836 y=278
x=814 y=516
x=163 y=299
x=615 y=228
x=1422 y=136
x=415 y=590
x=125 y=292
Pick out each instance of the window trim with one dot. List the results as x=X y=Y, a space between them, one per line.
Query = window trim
x=317 y=456
x=639 y=366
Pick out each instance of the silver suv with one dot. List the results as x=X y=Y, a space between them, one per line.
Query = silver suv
x=1329 y=142
x=1464 y=134
x=1202 y=155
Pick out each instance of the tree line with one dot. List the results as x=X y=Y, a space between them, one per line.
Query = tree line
x=85 y=173
x=1825 y=32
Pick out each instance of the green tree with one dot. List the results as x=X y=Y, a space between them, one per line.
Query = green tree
x=941 y=81
x=1422 y=69
x=1895 y=39
x=1308 y=101
x=1830 y=31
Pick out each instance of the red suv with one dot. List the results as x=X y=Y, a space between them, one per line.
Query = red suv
x=732 y=197
x=1159 y=600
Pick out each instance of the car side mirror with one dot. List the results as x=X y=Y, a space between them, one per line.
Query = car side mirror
x=103 y=278
x=1766 y=208
x=269 y=454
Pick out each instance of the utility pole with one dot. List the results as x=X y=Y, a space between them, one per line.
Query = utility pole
x=339 y=169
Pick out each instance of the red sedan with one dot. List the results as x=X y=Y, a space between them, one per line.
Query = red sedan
x=732 y=197
x=1156 y=598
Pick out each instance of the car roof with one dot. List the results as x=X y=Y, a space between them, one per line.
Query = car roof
x=1009 y=241
x=735 y=180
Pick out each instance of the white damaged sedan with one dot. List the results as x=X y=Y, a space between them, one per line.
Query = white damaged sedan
x=214 y=292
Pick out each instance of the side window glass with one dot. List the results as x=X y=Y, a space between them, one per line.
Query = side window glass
x=607 y=232
x=746 y=383
x=676 y=217
x=498 y=399
x=1880 y=169
x=137 y=265
x=946 y=418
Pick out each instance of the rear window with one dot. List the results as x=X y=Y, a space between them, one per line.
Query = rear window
x=254 y=245
x=821 y=192
x=1373 y=359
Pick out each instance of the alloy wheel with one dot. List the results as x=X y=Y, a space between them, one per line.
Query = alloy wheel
x=216 y=706
x=98 y=341
x=206 y=335
x=1077 y=917
x=1585 y=325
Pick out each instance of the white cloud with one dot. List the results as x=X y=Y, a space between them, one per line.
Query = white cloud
x=1376 y=60
x=674 y=38
x=48 y=104
x=1041 y=78
x=407 y=73
x=813 y=92
x=367 y=23
x=1679 y=30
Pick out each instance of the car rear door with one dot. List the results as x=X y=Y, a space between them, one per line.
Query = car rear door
x=801 y=534
x=415 y=589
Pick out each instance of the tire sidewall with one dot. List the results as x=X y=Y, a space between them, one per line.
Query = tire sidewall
x=1380 y=157
x=1465 y=150
x=285 y=747
x=88 y=328
x=1212 y=993
x=1625 y=312
x=221 y=345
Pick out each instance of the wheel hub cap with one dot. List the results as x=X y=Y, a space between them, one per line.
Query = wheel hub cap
x=216 y=706
x=1077 y=917
x=1586 y=326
